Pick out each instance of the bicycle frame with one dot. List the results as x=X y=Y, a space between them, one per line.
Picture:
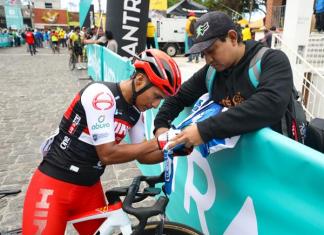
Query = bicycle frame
x=115 y=218
x=116 y=212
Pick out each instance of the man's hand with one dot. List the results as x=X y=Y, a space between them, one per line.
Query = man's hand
x=189 y=136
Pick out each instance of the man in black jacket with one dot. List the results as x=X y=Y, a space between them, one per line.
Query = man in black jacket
x=250 y=107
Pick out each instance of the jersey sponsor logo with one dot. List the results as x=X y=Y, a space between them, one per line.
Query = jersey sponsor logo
x=96 y=137
x=120 y=130
x=99 y=165
x=74 y=124
x=65 y=142
x=101 y=118
x=103 y=101
x=98 y=126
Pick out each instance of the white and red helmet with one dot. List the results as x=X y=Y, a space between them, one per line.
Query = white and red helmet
x=161 y=70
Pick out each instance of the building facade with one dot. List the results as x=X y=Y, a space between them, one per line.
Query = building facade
x=47 y=4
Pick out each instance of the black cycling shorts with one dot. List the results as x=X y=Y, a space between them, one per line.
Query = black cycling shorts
x=78 y=50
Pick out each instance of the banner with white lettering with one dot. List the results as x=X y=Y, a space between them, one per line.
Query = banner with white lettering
x=14 y=17
x=127 y=19
x=268 y=184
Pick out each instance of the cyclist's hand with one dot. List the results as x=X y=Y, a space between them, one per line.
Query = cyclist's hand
x=164 y=138
x=160 y=131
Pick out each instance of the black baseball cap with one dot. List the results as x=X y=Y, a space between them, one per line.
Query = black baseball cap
x=208 y=28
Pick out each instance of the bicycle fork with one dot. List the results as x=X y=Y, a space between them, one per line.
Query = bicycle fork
x=115 y=219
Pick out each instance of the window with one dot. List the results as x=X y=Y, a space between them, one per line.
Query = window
x=48 y=5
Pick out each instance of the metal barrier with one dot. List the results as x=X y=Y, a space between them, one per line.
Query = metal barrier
x=308 y=70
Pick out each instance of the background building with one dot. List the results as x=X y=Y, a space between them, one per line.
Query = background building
x=48 y=4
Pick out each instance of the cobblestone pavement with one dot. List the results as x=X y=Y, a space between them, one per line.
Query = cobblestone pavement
x=34 y=92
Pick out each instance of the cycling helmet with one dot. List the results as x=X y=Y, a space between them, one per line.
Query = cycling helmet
x=161 y=70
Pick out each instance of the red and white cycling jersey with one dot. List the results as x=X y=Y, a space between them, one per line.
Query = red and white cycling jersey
x=97 y=115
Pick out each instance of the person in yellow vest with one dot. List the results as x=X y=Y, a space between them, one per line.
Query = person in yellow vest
x=191 y=19
x=76 y=44
x=246 y=33
x=62 y=39
x=150 y=32
x=54 y=41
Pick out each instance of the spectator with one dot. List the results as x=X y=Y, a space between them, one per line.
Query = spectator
x=191 y=19
x=319 y=14
x=76 y=46
x=249 y=107
x=100 y=39
x=112 y=43
x=30 y=40
x=150 y=33
x=267 y=39
x=246 y=32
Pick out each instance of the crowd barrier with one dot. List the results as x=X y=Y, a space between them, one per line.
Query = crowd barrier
x=105 y=65
x=4 y=40
x=267 y=184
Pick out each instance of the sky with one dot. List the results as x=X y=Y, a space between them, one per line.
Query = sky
x=73 y=5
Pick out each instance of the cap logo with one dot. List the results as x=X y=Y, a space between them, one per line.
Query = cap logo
x=201 y=29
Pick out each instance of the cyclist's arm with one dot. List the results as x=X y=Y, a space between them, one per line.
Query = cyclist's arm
x=147 y=152
x=99 y=105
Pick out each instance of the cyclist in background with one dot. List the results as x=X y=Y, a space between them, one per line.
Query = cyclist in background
x=67 y=181
x=55 y=41
x=75 y=41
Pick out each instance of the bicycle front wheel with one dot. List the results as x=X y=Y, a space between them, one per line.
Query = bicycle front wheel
x=72 y=62
x=170 y=228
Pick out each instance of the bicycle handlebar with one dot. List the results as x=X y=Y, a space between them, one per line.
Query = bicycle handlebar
x=143 y=213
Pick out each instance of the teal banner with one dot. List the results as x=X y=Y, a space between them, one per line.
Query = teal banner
x=94 y=53
x=14 y=17
x=84 y=10
x=115 y=67
x=105 y=65
x=267 y=184
x=4 y=40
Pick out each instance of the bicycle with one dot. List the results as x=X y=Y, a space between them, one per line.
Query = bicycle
x=4 y=193
x=72 y=59
x=55 y=47
x=116 y=211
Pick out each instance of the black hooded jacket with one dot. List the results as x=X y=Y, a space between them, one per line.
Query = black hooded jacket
x=249 y=108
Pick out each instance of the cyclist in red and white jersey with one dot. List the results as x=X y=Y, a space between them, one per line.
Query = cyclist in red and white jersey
x=67 y=181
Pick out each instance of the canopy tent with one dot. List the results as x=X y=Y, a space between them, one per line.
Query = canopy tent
x=183 y=7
